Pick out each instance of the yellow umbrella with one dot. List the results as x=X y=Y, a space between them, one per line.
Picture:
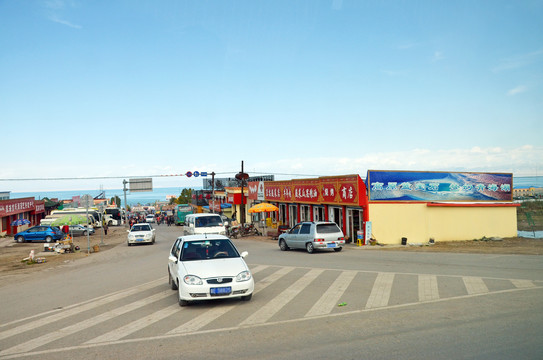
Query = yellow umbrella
x=263 y=207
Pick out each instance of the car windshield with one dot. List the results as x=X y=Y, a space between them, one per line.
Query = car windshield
x=208 y=221
x=327 y=228
x=208 y=249
x=141 y=228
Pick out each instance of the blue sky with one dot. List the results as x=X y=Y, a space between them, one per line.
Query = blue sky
x=137 y=88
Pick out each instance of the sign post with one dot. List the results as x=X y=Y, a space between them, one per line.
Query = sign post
x=86 y=201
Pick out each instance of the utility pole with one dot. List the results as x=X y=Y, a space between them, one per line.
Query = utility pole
x=241 y=176
x=125 y=206
x=213 y=192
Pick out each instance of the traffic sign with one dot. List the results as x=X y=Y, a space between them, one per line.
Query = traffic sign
x=196 y=174
x=189 y=174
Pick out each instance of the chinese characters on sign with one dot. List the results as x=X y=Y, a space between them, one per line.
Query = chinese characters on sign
x=439 y=186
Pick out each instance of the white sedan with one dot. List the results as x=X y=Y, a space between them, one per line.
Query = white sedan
x=205 y=267
x=141 y=233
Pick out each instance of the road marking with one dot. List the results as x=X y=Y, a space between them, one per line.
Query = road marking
x=428 y=290
x=275 y=304
x=137 y=325
x=380 y=293
x=70 y=330
x=523 y=284
x=331 y=297
x=475 y=285
x=202 y=320
x=76 y=310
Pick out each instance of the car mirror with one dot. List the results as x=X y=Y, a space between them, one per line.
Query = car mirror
x=127 y=231
x=244 y=254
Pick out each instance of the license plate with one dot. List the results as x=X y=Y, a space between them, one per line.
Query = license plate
x=225 y=290
x=332 y=245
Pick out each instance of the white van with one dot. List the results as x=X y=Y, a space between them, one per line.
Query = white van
x=203 y=224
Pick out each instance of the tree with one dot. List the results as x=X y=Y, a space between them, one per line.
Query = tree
x=116 y=200
x=185 y=197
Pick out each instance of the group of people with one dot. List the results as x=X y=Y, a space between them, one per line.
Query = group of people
x=164 y=219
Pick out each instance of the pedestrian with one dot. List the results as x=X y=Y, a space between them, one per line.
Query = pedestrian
x=105 y=228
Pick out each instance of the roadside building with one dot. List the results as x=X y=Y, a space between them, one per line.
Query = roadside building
x=20 y=209
x=398 y=206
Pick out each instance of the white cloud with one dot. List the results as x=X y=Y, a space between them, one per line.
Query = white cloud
x=438 y=55
x=517 y=90
x=55 y=8
x=518 y=61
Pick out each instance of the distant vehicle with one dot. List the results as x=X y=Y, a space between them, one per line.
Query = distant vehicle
x=205 y=267
x=39 y=233
x=150 y=218
x=181 y=211
x=204 y=224
x=312 y=236
x=79 y=211
x=115 y=213
x=141 y=233
x=80 y=230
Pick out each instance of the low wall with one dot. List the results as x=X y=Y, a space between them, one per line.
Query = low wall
x=418 y=222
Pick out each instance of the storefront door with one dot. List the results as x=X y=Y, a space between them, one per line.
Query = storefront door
x=335 y=214
x=292 y=215
x=354 y=223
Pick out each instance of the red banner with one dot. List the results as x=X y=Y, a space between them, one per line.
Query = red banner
x=16 y=206
x=337 y=190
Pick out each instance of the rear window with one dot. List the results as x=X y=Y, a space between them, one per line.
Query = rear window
x=327 y=228
x=208 y=221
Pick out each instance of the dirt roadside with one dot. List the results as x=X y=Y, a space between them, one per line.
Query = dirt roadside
x=12 y=266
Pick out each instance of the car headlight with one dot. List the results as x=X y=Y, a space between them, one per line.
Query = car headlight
x=131 y=236
x=147 y=236
x=243 y=276
x=192 y=280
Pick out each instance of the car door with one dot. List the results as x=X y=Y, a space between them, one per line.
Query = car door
x=41 y=233
x=31 y=233
x=173 y=258
x=291 y=236
x=304 y=235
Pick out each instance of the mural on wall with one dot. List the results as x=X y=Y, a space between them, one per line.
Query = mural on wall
x=439 y=186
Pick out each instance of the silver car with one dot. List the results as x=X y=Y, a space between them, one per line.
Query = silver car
x=312 y=236
x=80 y=230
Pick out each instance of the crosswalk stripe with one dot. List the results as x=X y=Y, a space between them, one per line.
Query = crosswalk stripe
x=258 y=268
x=76 y=310
x=275 y=304
x=202 y=320
x=428 y=289
x=475 y=285
x=70 y=330
x=137 y=325
x=331 y=297
x=523 y=284
x=380 y=293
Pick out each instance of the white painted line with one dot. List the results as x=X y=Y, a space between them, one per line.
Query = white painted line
x=202 y=320
x=523 y=284
x=380 y=293
x=79 y=309
x=70 y=330
x=275 y=304
x=331 y=297
x=474 y=285
x=137 y=325
x=428 y=290
x=258 y=268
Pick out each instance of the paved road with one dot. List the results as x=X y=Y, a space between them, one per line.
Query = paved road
x=118 y=305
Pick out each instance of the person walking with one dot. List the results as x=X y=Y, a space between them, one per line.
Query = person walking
x=105 y=228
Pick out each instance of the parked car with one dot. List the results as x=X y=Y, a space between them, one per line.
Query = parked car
x=150 y=218
x=39 y=233
x=205 y=267
x=312 y=236
x=141 y=233
x=80 y=230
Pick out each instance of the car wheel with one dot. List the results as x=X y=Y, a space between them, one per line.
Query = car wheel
x=48 y=239
x=20 y=239
x=173 y=285
x=283 y=245
x=247 y=297
x=338 y=249
x=85 y=233
x=309 y=247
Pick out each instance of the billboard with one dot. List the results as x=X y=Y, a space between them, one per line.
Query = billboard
x=141 y=184
x=438 y=186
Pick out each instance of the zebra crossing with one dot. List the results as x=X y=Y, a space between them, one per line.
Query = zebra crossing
x=282 y=293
